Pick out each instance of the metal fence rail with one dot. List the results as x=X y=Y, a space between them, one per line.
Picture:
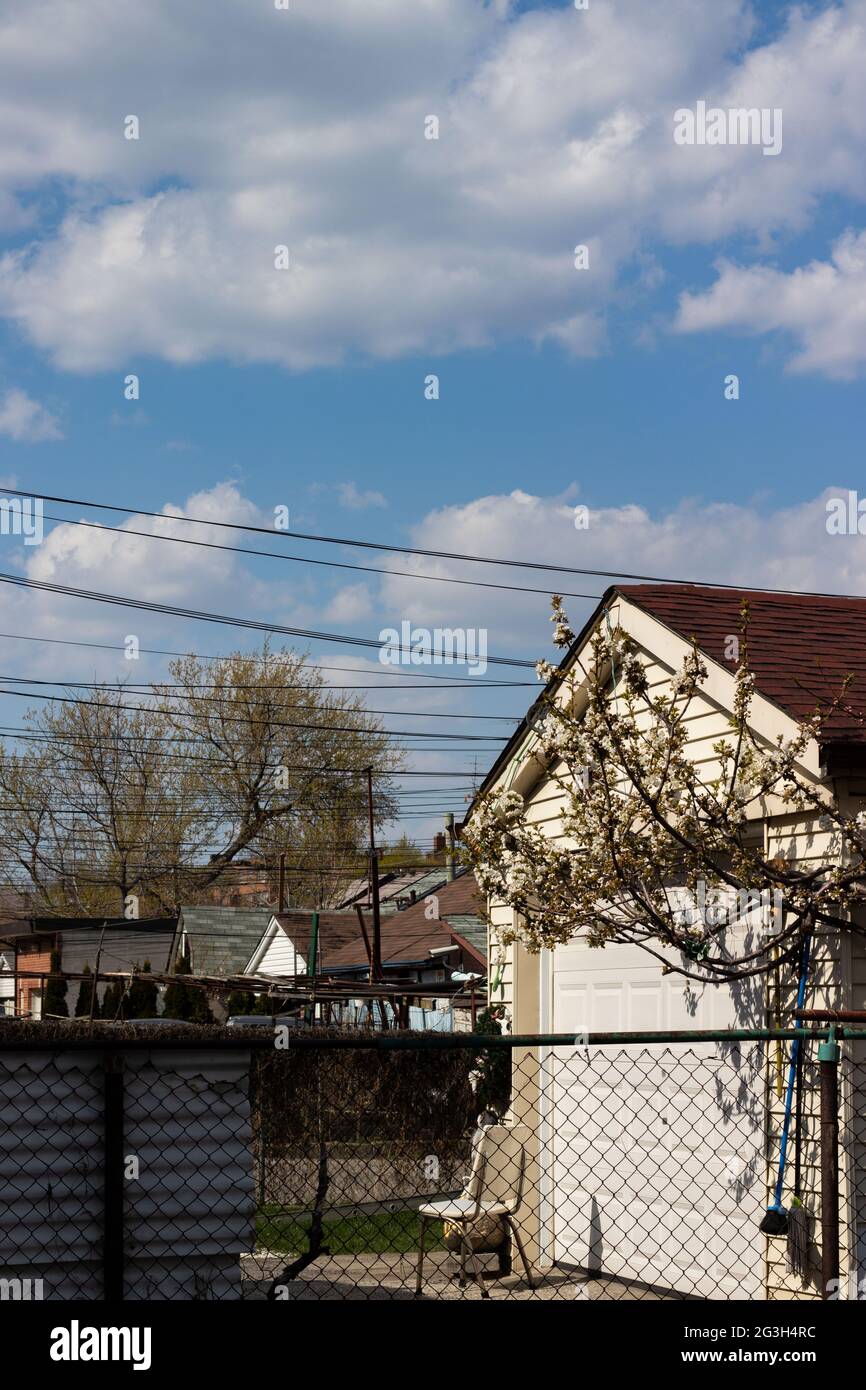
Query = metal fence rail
x=439 y=1166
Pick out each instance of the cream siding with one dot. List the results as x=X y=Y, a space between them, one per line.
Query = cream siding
x=838 y=974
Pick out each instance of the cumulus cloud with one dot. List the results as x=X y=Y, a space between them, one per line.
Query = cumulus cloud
x=25 y=420
x=117 y=561
x=349 y=496
x=555 y=128
x=719 y=542
x=349 y=605
x=821 y=305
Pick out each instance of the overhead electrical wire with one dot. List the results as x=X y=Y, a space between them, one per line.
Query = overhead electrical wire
x=465 y=683
x=198 y=615
x=406 y=549
x=305 y=559
x=156 y=689
x=323 y=728
x=319 y=771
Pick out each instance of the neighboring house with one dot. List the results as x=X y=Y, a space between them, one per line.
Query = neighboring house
x=7 y=980
x=421 y=945
x=245 y=884
x=123 y=945
x=32 y=953
x=397 y=889
x=799 y=648
x=220 y=940
x=284 y=947
x=442 y=932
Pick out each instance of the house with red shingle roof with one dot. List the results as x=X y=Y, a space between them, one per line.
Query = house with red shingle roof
x=440 y=933
x=285 y=946
x=607 y=1193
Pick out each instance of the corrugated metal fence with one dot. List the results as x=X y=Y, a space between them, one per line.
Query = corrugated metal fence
x=344 y=1166
x=174 y=1208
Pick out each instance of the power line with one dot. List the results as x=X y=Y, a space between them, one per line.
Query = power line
x=175 y=611
x=320 y=771
x=464 y=683
x=302 y=559
x=412 y=550
x=156 y=688
x=323 y=727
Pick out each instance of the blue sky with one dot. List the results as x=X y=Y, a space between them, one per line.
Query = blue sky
x=409 y=257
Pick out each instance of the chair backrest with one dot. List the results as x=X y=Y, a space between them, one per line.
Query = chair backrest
x=498 y=1166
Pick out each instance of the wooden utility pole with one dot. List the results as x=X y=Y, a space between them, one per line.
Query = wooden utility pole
x=282 y=893
x=96 y=971
x=376 y=964
x=367 y=947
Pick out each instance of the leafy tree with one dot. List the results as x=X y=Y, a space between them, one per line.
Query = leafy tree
x=112 y=1001
x=141 y=997
x=403 y=852
x=199 y=1008
x=240 y=1001
x=85 y=994
x=178 y=1002
x=493 y=1065
x=266 y=1004
x=54 y=1002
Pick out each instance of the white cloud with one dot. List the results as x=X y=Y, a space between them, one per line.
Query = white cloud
x=349 y=496
x=118 y=562
x=351 y=604
x=555 y=128
x=784 y=548
x=822 y=305
x=25 y=420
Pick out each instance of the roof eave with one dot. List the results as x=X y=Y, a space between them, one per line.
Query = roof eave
x=555 y=681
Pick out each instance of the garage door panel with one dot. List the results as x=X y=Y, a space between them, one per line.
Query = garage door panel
x=676 y=1247
x=655 y=1152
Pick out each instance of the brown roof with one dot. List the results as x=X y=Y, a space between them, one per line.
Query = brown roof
x=336 y=929
x=801 y=646
x=411 y=935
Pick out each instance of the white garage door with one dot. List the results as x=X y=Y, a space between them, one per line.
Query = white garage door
x=656 y=1151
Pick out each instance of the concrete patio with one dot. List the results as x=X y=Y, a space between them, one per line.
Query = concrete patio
x=392 y=1276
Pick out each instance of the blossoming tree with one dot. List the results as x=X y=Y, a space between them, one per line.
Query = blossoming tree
x=657 y=850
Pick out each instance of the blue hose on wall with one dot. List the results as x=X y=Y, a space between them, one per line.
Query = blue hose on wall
x=775 y=1222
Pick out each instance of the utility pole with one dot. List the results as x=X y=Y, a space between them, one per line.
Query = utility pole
x=96 y=971
x=449 y=847
x=376 y=963
x=282 y=895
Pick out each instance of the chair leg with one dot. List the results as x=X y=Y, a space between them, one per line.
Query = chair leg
x=422 y=1229
x=512 y=1226
x=462 y=1262
x=476 y=1267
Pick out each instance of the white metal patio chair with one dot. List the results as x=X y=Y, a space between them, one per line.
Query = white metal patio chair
x=494 y=1188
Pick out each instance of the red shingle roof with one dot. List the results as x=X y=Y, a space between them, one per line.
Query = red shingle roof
x=335 y=930
x=801 y=646
x=411 y=935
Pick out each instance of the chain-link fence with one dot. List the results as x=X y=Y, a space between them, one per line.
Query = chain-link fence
x=203 y=1166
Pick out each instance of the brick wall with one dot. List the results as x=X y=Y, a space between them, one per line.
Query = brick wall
x=32 y=954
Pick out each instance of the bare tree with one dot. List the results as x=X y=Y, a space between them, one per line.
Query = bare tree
x=131 y=803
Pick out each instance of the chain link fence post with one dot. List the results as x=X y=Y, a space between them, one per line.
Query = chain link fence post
x=112 y=1236
x=828 y=1061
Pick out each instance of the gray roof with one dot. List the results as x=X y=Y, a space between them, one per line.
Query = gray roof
x=222 y=939
x=472 y=929
x=393 y=885
x=121 y=948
